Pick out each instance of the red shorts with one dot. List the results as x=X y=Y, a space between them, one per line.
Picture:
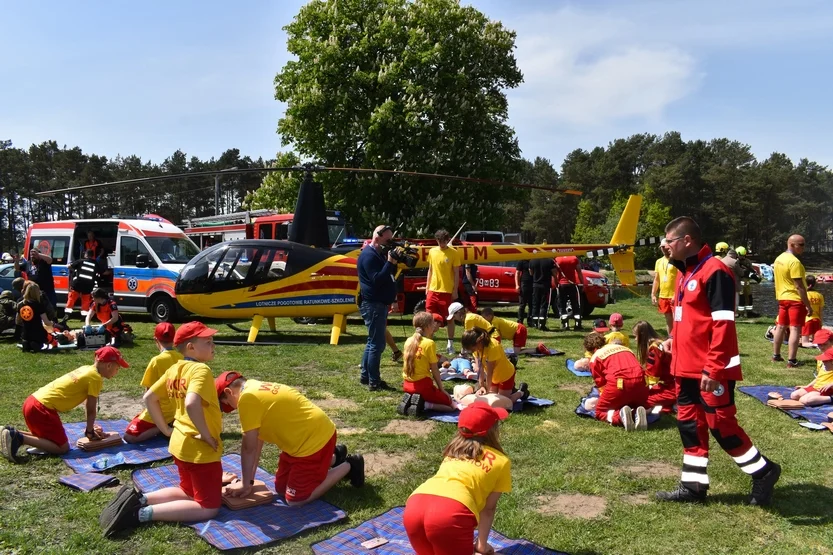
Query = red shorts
x=438 y=303
x=791 y=313
x=665 y=306
x=43 y=422
x=202 y=482
x=138 y=426
x=428 y=390
x=519 y=341
x=508 y=385
x=297 y=477
x=634 y=393
x=811 y=327
x=438 y=525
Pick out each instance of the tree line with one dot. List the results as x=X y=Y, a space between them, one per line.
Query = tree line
x=24 y=172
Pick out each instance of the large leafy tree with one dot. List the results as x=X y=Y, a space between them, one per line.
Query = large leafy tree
x=406 y=85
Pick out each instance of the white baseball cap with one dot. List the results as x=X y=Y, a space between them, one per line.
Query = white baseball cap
x=453 y=309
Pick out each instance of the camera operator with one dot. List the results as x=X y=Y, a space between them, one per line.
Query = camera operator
x=378 y=290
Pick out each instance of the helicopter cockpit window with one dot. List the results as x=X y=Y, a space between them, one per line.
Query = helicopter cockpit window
x=232 y=266
x=270 y=265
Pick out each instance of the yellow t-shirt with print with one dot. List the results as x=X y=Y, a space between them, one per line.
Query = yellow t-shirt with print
x=506 y=329
x=817 y=302
x=477 y=321
x=184 y=377
x=284 y=418
x=444 y=264
x=471 y=482
x=493 y=352
x=617 y=338
x=156 y=368
x=785 y=269
x=667 y=273
x=70 y=390
x=426 y=355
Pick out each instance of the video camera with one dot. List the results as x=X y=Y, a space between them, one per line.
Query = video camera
x=403 y=252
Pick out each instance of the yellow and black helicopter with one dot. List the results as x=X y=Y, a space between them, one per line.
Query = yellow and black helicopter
x=300 y=278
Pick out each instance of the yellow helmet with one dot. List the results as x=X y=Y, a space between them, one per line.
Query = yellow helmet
x=721 y=248
x=741 y=251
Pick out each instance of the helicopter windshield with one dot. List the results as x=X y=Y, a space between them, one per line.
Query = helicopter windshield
x=225 y=267
x=172 y=249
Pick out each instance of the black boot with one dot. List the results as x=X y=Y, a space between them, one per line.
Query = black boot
x=763 y=486
x=681 y=495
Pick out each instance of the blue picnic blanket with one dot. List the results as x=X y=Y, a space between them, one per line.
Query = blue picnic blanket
x=816 y=415
x=246 y=527
x=155 y=449
x=455 y=372
x=454 y=417
x=389 y=526
x=88 y=481
x=553 y=352
x=571 y=366
x=581 y=411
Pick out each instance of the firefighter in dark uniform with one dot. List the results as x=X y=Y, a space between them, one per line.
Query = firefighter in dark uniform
x=569 y=280
x=523 y=285
x=83 y=282
x=706 y=366
x=543 y=270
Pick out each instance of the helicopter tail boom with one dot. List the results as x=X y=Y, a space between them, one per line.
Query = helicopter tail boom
x=625 y=234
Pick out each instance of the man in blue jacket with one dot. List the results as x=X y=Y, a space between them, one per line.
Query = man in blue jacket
x=378 y=290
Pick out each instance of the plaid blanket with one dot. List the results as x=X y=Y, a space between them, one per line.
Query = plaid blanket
x=816 y=415
x=88 y=481
x=454 y=417
x=653 y=415
x=81 y=461
x=389 y=526
x=246 y=527
x=571 y=366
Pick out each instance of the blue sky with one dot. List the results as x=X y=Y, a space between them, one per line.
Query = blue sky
x=152 y=77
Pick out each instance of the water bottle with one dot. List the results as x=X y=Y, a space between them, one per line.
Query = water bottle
x=108 y=462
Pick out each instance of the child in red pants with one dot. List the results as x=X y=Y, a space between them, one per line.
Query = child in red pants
x=442 y=514
x=422 y=384
x=662 y=390
x=618 y=375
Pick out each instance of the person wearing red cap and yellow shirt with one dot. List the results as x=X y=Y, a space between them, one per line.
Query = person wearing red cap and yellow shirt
x=442 y=514
x=142 y=428
x=40 y=411
x=820 y=390
x=310 y=462
x=195 y=441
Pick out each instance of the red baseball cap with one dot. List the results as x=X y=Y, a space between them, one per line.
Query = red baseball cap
x=192 y=330
x=616 y=320
x=222 y=382
x=822 y=336
x=164 y=332
x=478 y=419
x=438 y=318
x=110 y=354
x=826 y=355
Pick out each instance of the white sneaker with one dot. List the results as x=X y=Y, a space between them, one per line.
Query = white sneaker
x=626 y=415
x=641 y=420
x=67 y=311
x=450 y=350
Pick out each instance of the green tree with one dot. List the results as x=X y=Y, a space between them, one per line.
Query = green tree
x=278 y=190
x=406 y=85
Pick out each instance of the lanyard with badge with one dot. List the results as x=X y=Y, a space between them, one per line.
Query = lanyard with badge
x=678 y=310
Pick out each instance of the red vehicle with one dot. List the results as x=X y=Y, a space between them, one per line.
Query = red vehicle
x=496 y=286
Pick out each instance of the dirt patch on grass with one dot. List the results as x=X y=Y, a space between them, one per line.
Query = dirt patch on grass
x=413 y=428
x=577 y=387
x=637 y=499
x=336 y=403
x=548 y=425
x=117 y=403
x=649 y=469
x=381 y=464
x=571 y=505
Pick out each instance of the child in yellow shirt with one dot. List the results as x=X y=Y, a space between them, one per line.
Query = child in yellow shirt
x=142 y=428
x=40 y=411
x=195 y=441
x=442 y=514
x=615 y=336
x=820 y=390
x=495 y=373
x=422 y=384
x=813 y=321
x=310 y=462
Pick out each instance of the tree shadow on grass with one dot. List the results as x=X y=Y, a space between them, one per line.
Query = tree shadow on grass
x=802 y=504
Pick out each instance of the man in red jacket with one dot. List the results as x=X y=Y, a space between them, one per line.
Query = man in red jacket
x=706 y=365
x=569 y=280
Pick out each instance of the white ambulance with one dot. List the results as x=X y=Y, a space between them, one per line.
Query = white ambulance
x=143 y=259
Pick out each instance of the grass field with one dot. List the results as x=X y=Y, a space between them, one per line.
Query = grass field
x=555 y=455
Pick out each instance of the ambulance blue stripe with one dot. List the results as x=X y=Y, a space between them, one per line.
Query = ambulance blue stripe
x=308 y=300
x=138 y=273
